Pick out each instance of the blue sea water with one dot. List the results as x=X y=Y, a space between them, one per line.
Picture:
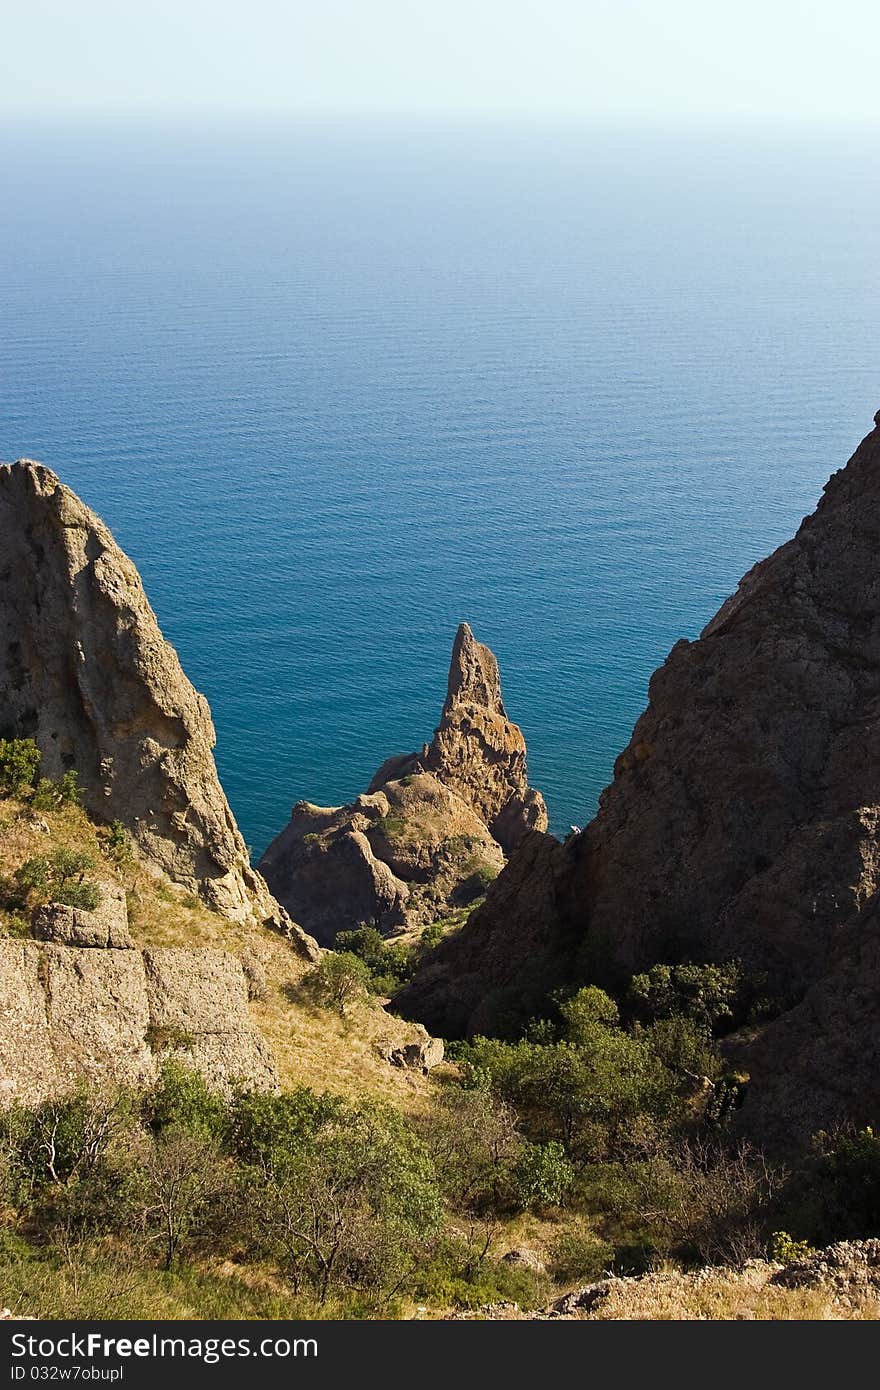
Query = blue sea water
x=337 y=388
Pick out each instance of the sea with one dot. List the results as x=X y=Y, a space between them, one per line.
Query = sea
x=337 y=386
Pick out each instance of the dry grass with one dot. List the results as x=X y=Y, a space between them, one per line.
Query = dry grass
x=723 y=1295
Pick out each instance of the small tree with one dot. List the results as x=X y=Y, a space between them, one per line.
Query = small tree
x=338 y=980
x=709 y=994
x=19 y=764
x=473 y=1140
x=543 y=1175
x=340 y=1194
x=176 y=1188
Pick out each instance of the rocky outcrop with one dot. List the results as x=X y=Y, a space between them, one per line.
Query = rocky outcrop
x=423 y=1053
x=106 y=928
x=476 y=751
x=398 y=858
x=429 y=834
x=70 y=1015
x=743 y=820
x=85 y=671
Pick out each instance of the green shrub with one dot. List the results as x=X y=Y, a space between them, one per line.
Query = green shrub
x=181 y=1098
x=51 y=796
x=431 y=936
x=476 y=884
x=585 y=1011
x=59 y=877
x=391 y=826
x=15 y=924
x=709 y=994
x=118 y=842
x=543 y=1175
x=461 y=1272
x=786 y=1250
x=338 y=1193
x=835 y=1194
x=58 y=1141
x=19 y=764
x=579 y=1254
x=389 y=963
x=84 y=895
x=337 y=981
x=474 y=1142
x=592 y=1094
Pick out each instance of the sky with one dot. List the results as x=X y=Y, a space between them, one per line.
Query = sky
x=795 y=61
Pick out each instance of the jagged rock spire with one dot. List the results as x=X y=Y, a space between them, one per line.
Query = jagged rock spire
x=474 y=677
x=478 y=752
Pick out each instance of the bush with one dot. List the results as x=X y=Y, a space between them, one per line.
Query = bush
x=118 y=842
x=182 y=1099
x=461 y=1272
x=51 y=796
x=474 y=1143
x=579 y=1254
x=585 y=1011
x=338 y=980
x=709 y=994
x=786 y=1250
x=19 y=764
x=836 y=1193
x=176 y=1189
x=60 y=1141
x=543 y=1175
x=340 y=1194
x=389 y=963
x=696 y=1198
x=592 y=1094
x=59 y=877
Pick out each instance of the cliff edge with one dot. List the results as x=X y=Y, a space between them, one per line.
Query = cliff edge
x=86 y=673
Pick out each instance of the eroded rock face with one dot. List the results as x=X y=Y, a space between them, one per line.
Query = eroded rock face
x=85 y=671
x=432 y=829
x=743 y=820
x=69 y=1015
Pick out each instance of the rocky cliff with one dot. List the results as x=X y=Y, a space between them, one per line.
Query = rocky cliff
x=431 y=830
x=71 y=1014
x=743 y=819
x=85 y=671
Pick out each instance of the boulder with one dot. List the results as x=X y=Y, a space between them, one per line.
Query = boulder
x=106 y=927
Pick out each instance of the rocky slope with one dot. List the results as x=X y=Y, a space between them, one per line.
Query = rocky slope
x=839 y=1282
x=742 y=821
x=85 y=671
x=432 y=828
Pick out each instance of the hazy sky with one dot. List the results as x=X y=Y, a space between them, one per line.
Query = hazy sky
x=801 y=60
